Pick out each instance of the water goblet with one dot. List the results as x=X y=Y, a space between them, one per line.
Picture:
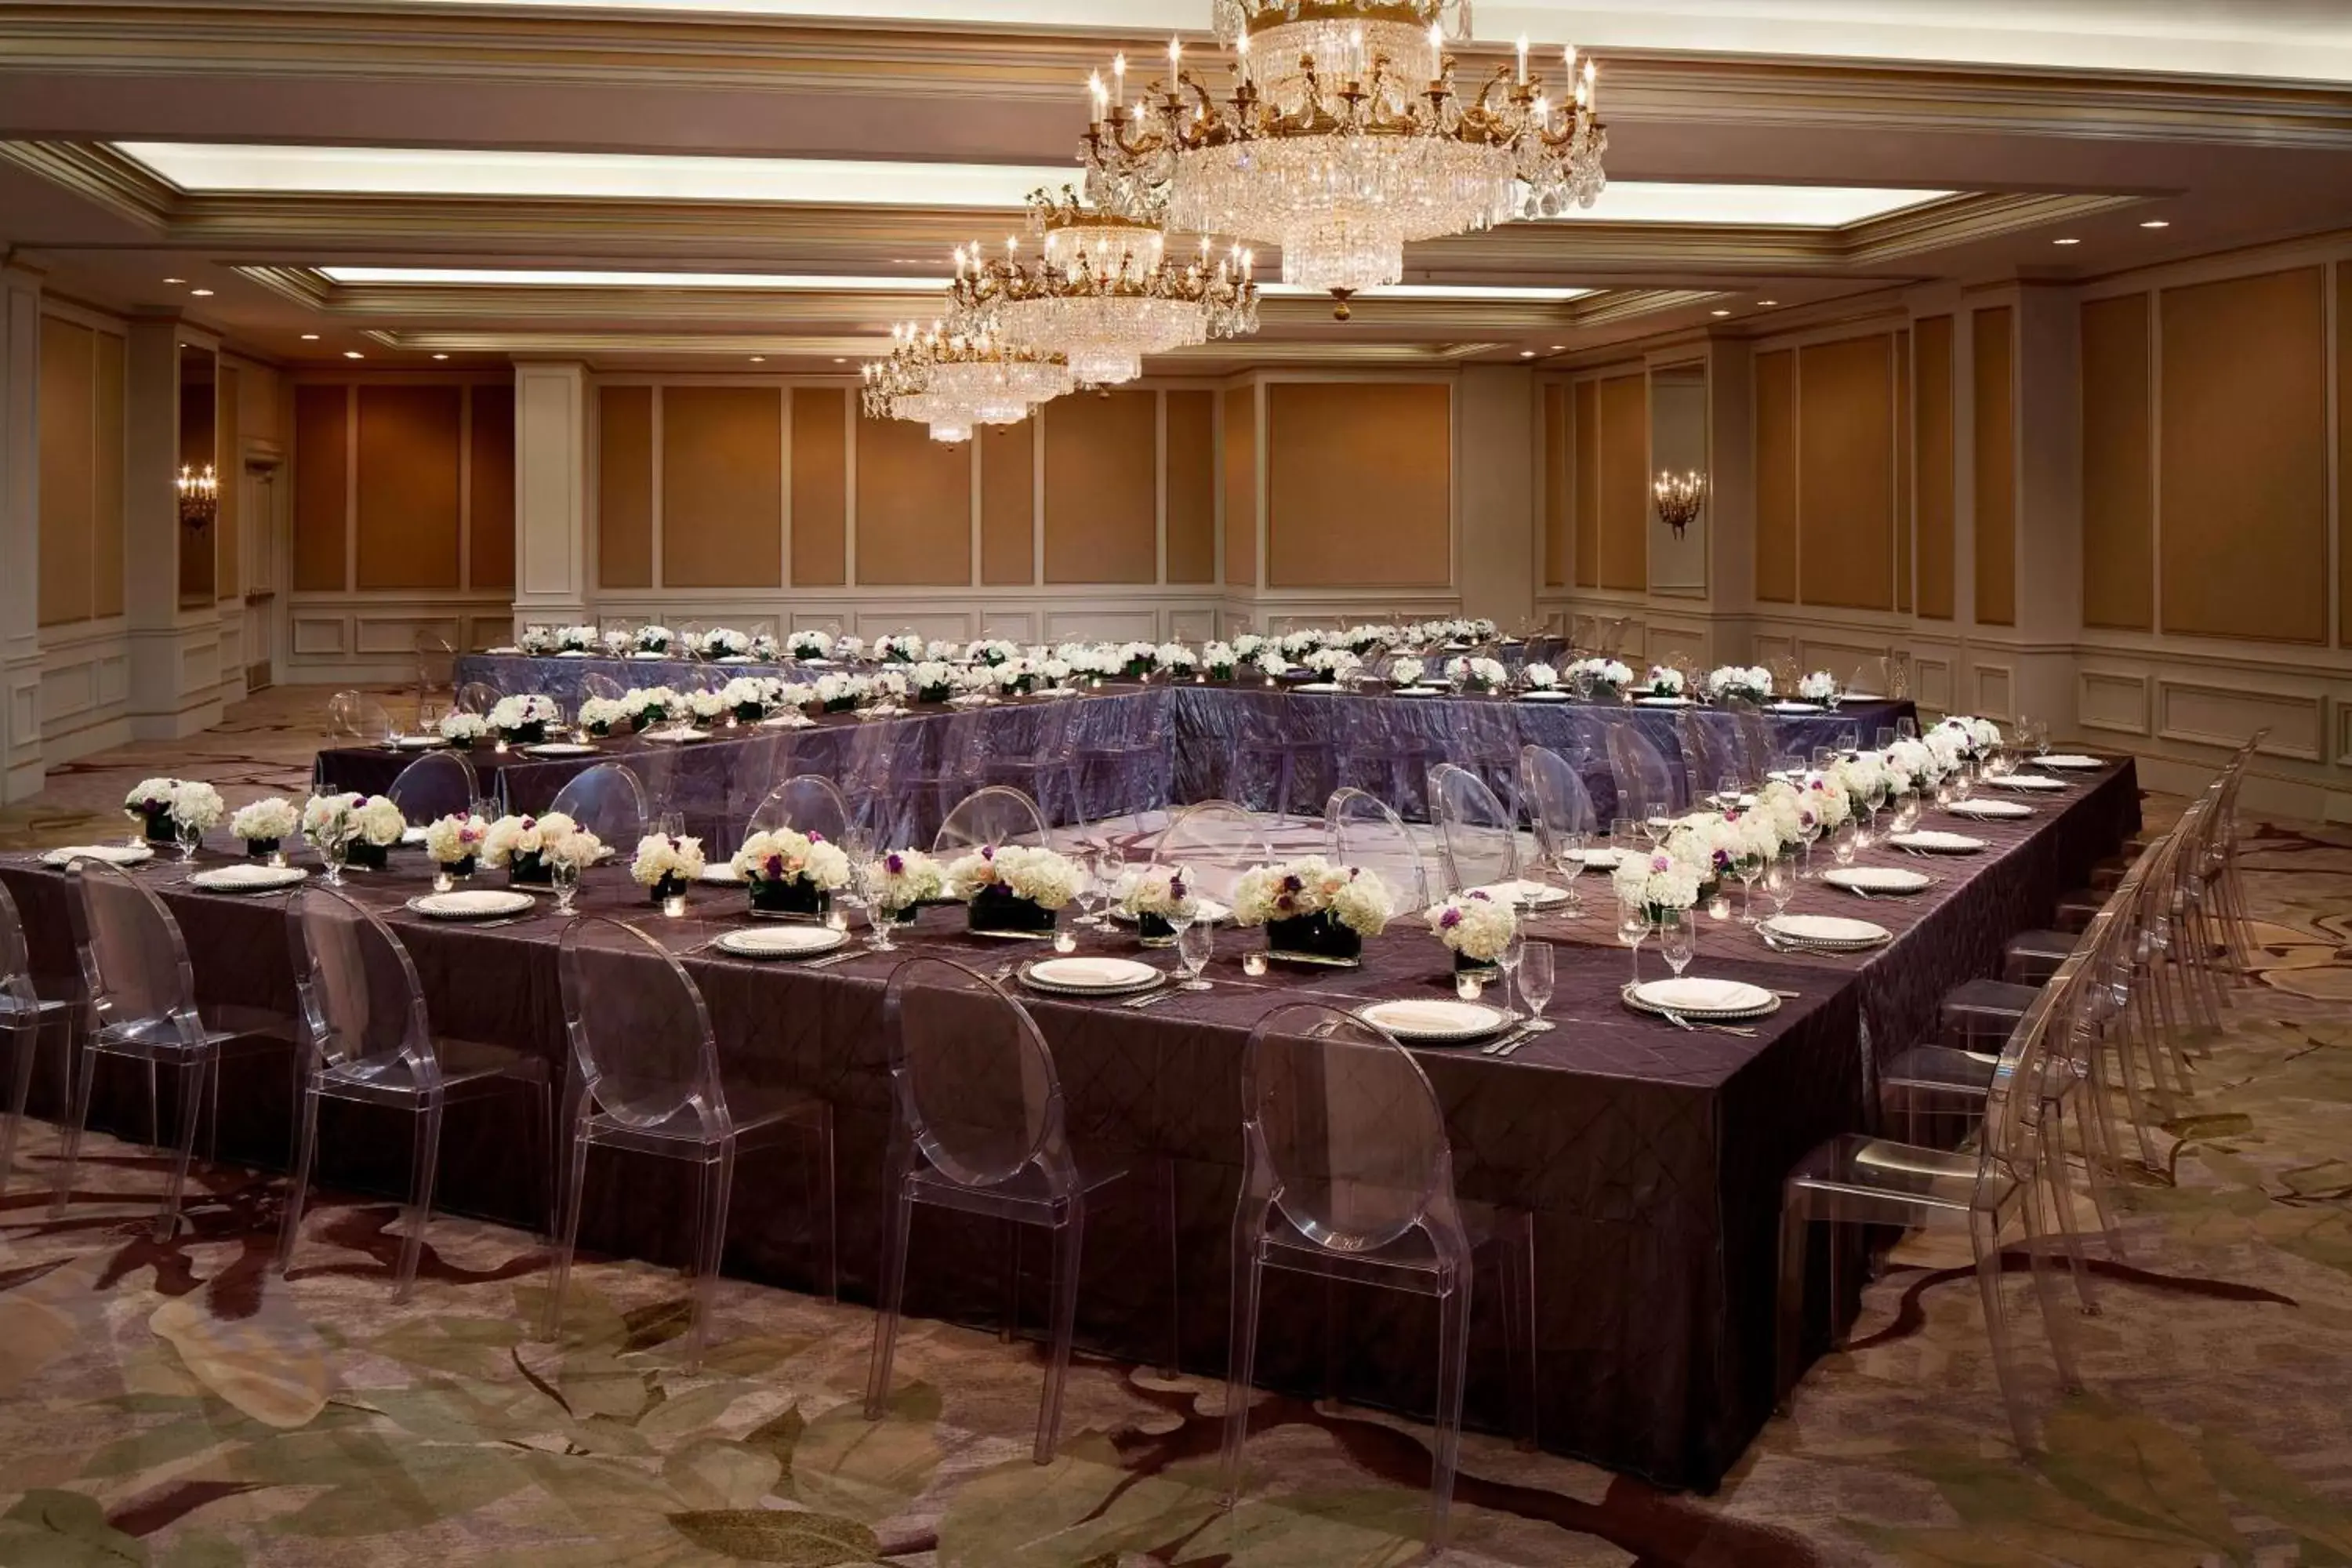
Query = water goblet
x=1778 y=884
x=1747 y=865
x=189 y=836
x=1567 y=864
x=1196 y=941
x=1536 y=982
x=1632 y=926
x=1677 y=939
x=1843 y=844
x=1885 y=736
x=565 y=876
x=1514 y=954
x=334 y=848
x=1907 y=729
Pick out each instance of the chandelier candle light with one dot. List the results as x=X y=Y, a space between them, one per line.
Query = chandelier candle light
x=952 y=381
x=1679 y=498
x=199 y=496
x=1343 y=136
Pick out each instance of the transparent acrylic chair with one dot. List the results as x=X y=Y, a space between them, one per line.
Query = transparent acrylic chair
x=435 y=787
x=354 y=715
x=1710 y=752
x=142 y=1006
x=1385 y=749
x=1281 y=732
x=1347 y=1173
x=1127 y=754
x=1558 y=802
x=1859 y=1179
x=477 y=696
x=1215 y=841
x=808 y=804
x=980 y=1129
x=1046 y=769
x=23 y=1016
x=643 y=1078
x=596 y=684
x=371 y=1042
x=1644 y=788
x=607 y=801
x=996 y=814
x=1359 y=829
x=1478 y=840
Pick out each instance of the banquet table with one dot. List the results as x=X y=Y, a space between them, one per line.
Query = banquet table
x=1650 y=1157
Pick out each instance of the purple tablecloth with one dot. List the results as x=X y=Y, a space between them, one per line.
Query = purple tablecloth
x=1650 y=1157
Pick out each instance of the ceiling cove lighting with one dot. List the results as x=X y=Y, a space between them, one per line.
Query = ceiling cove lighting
x=212 y=169
x=536 y=278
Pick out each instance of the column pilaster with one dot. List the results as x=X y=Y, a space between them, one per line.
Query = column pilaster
x=20 y=533
x=552 y=556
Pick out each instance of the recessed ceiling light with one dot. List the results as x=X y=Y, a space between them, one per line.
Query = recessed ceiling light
x=1559 y=348
x=201 y=294
x=545 y=278
x=2065 y=242
x=309 y=337
x=2157 y=223
x=175 y=281
x=841 y=362
x=353 y=353
x=1767 y=304
x=1527 y=354
x=440 y=356
x=1720 y=312
x=759 y=359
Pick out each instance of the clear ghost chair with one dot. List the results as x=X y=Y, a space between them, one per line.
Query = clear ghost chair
x=437 y=664
x=435 y=787
x=1484 y=738
x=358 y=716
x=1215 y=841
x=1124 y=753
x=643 y=1078
x=1384 y=748
x=1347 y=1173
x=1280 y=731
x=1644 y=788
x=1859 y=1179
x=142 y=1006
x=23 y=1016
x=808 y=804
x=917 y=773
x=607 y=801
x=477 y=696
x=1556 y=801
x=1710 y=755
x=1753 y=732
x=1048 y=770
x=596 y=684
x=371 y=1042
x=980 y=1129
x=996 y=814
x=1359 y=829
x=1478 y=840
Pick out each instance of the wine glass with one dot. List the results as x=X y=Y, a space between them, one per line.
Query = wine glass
x=1779 y=885
x=1747 y=865
x=1196 y=941
x=1810 y=826
x=1567 y=864
x=1091 y=887
x=1536 y=982
x=1632 y=926
x=1885 y=736
x=1907 y=729
x=1110 y=866
x=1514 y=954
x=1677 y=939
x=189 y=836
x=334 y=846
x=1844 y=841
x=565 y=873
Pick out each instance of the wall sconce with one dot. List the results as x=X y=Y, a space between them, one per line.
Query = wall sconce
x=1679 y=498
x=199 y=496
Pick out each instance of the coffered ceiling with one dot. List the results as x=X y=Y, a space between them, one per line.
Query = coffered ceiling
x=652 y=182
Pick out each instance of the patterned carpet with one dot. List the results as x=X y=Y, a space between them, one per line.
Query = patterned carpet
x=177 y=1404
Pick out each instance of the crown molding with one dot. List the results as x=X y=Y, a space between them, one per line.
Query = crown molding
x=592 y=345
x=379 y=40
x=101 y=177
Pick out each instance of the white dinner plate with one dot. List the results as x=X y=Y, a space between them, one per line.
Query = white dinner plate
x=417 y=742
x=112 y=854
x=1935 y=843
x=1602 y=859
x=790 y=719
x=1544 y=694
x=413 y=835
x=1526 y=895
x=1325 y=686
x=814 y=663
x=782 y=941
x=1419 y=691
x=1877 y=879
x=1827 y=930
x=1091 y=976
x=1206 y=911
x=472 y=904
x=736 y=658
x=1860 y=696
x=720 y=871
x=559 y=748
x=247 y=878
x=1663 y=703
x=1785 y=707
x=685 y=737
x=1433 y=1021
x=648 y=656
x=502 y=650
x=2071 y=762
x=1695 y=998
x=2028 y=782
x=575 y=653
x=2002 y=810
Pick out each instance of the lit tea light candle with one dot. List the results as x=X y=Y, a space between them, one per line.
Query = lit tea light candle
x=1065 y=941
x=1253 y=963
x=1469 y=987
x=673 y=906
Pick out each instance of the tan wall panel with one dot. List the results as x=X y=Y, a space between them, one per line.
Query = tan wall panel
x=2243 y=466
x=1559 y=503
x=408 y=462
x=2118 y=484
x=68 y=434
x=1241 y=487
x=624 y=487
x=1008 y=503
x=2344 y=453
x=1995 y=458
x=106 y=536
x=1102 y=488
x=492 y=486
x=821 y=486
x=1934 y=442
x=230 y=471
x=1904 y=437
x=1360 y=485
x=722 y=487
x=322 y=486
x=1587 y=484
x=1776 y=477
x=1845 y=473
x=1625 y=483
x=1191 y=487
x=913 y=506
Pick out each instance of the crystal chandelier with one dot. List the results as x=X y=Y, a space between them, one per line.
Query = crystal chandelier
x=1105 y=293
x=1344 y=136
x=199 y=496
x=952 y=380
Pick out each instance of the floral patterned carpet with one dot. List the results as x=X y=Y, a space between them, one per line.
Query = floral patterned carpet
x=177 y=1404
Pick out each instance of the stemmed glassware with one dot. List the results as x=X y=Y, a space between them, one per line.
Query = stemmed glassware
x=1567 y=864
x=1747 y=865
x=1536 y=982
x=1090 y=887
x=1514 y=954
x=334 y=848
x=1109 y=863
x=1196 y=941
x=1778 y=884
x=565 y=873
x=1677 y=939
x=190 y=837
x=1632 y=926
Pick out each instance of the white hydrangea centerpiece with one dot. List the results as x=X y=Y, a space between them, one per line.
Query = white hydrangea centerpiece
x=1015 y=887
x=789 y=872
x=523 y=720
x=266 y=824
x=1820 y=686
x=520 y=845
x=453 y=842
x=1475 y=926
x=1313 y=908
x=663 y=863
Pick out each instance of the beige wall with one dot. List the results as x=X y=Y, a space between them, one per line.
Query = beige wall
x=1935 y=451
x=1559 y=520
x=820 y=492
x=1008 y=504
x=1995 y=457
x=1241 y=489
x=1102 y=487
x=1360 y=484
x=2118 y=476
x=722 y=487
x=1845 y=473
x=81 y=456
x=1776 y=477
x=1191 y=487
x=913 y=506
x=395 y=483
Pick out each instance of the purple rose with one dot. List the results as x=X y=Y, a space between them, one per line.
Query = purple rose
x=895 y=862
x=1450 y=918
